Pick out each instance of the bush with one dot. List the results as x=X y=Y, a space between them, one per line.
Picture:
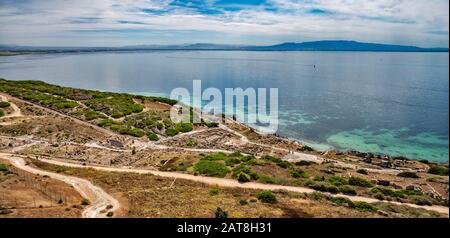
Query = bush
x=243 y=178
x=407 y=174
x=2 y=113
x=323 y=187
x=85 y=202
x=337 y=181
x=232 y=161
x=438 y=170
x=243 y=202
x=132 y=132
x=184 y=127
x=171 y=132
x=4 y=104
x=364 y=206
x=244 y=169
x=266 y=179
x=110 y=214
x=211 y=168
x=214 y=191
x=341 y=201
x=348 y=190
x=3 y=168
x=219 y=213
x=304 y=163
x=360 y=182
x=388 y=192
x=362 y=171
x=421 y=200
x=284 y=164
x=307 y=148
x=297 y=173
x=267 y=197
x=152 y=136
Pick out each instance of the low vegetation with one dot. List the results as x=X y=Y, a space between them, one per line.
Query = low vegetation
x=4 y=104
x=3 y=168
x=407 y=174
x=360 y=182
x=267 y=197
x=438 y=170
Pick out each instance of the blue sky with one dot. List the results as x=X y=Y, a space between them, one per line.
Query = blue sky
x=247 y=22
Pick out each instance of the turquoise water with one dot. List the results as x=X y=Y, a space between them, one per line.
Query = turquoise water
x=392 y=103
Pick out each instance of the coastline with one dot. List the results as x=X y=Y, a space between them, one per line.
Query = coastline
x=312 y=144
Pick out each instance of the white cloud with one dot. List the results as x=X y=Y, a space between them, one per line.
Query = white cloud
x=60 y=22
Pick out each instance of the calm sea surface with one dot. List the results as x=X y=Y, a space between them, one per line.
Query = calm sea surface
x=393 y=103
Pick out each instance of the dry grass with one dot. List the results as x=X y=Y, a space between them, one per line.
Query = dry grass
x=153 y=196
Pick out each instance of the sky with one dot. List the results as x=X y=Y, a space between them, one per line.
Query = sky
x=422 y=23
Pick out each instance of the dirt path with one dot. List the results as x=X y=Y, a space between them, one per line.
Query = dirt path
x=16 y=110
x=99 y=198
x=229 y=182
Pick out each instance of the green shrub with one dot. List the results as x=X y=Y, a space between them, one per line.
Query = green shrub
x=3 y=168
x=388 y=192
x=438 y=170
x=110 y=214
x=132 y=132
x=267 y=197
x=341 y=201
x=407 y=174
x=243 y=178
x=244 y=169
x=211 y=168
x=421 y=200
x=214 y=191
x=360 y=182
x=362 y=171
x=4 y=104
x=284 y=164
x=337 y=181
x=171 y=132
x=266 y=179
x=232 y=161
x=243 y=202
x=323 y=187
x=2 y=113
x=271 y=158
x=212 y=124
x=297 y=173
x=152 y=136
x=348 y=190
x=364 y=206
x=184 y=127
x=304 y=163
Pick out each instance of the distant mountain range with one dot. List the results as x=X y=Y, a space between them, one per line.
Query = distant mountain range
x=328 y=45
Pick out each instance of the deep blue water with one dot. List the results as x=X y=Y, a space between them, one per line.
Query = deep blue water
x=394 y=103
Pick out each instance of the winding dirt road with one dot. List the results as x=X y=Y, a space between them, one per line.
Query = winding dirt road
x=16 y=110
x=98 y=197
x=222 y=182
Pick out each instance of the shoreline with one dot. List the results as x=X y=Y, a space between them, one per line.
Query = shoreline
x=307 y=142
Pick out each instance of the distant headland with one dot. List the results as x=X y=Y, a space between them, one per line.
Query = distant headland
x=326 y=45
